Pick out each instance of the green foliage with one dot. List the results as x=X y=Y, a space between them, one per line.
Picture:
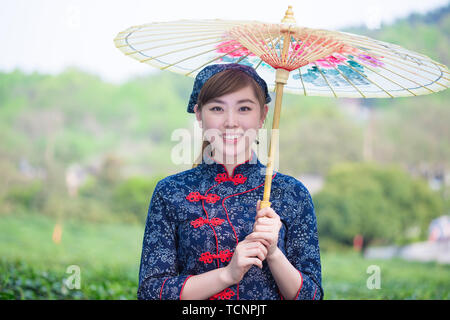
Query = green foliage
x=316 y=134
x=32 y=266
x=345 y=275
x=132 y=196
x=415 y=131
x=108 y=254
x=24 y=281
x=380 y=203
x=21 y=281
x=27 y=196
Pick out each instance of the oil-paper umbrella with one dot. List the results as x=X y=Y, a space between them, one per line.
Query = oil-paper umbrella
x=289 y=57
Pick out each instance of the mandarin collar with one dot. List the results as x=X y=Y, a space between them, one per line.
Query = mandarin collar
x=246 y=168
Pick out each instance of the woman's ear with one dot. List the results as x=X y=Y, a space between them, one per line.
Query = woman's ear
x=264 y=115
x=198 y=115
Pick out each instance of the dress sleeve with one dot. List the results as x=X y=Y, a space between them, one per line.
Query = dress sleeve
x=159 y=278
x=302 y=249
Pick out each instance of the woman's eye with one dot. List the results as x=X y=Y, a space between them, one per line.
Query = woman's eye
x=246 y=108
x=216 y=108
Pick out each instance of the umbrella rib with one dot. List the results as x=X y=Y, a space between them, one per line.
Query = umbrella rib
x=320 y=71
x=219 y=57
x=212 y=60
x=285 y=52
x=247 y=38
x=272 y=57
x=255 y=39
x=300 y=44
x=294 y=56
x=421 y=85
x=367 y=78
x=374 y=71
x=396 y=57
x=182 y=49
x=259 y=63
x=259 y=50
x=347 y=79
x=412 y=72
x=279 y=53
x=264 y=46
x=435 y=62
x=404 y=61
x=387 y=62
x=310 y=53
x=293 y=44
x=388 y=50
x=178 y=33
x=169 y=44
x=273 y=48
x=262 y=49
x=301 y=79
x=319 y=54
x=181 y=42
x=213 y=24
x=303 y=44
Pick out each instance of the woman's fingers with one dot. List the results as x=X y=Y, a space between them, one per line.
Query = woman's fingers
x=252 y=249
x=255 y=240
x=262 y=228
x=268 y=222
x=265 y=221
x=256 y=252
x=260 y=236
x=256 y=262
x=249 y=261
x=266 y=212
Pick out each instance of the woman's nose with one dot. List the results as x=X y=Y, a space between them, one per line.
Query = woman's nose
x=230 y=119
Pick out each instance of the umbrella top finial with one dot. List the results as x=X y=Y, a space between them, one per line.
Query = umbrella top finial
x=289 y=16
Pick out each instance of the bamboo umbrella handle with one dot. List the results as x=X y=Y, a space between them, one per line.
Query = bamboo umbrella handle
x=281 y=79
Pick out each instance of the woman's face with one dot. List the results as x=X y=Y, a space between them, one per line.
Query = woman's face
x=231 y=122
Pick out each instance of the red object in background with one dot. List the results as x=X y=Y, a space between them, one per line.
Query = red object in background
x=358 y=242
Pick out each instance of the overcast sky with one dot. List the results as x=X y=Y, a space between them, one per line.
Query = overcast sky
x=49 y=35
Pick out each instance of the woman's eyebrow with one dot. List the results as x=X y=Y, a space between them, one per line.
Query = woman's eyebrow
x=246 y=101
x=216 y=100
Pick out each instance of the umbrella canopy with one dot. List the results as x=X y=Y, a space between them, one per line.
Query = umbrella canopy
x=289 y=57
x=321 y=62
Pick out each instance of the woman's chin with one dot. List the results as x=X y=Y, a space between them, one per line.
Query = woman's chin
x=231 y=152
x=234 y=154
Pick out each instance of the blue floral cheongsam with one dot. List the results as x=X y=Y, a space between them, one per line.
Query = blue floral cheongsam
x=197 y=217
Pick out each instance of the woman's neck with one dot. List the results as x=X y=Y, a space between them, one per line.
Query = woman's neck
x=231 y=162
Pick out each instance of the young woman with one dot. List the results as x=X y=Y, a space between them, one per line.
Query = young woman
x=206 y=236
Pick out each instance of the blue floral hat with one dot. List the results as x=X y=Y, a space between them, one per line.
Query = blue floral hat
x=211 y=70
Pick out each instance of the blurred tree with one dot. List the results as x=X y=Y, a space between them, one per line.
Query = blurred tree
x=315 y=134
x=133 y=195
x=414 y=132
x=380 y=203
x=110 y=170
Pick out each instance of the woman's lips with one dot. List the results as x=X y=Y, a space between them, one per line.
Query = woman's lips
x=232 y=139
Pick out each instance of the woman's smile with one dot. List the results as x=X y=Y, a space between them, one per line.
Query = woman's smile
x=231 y=138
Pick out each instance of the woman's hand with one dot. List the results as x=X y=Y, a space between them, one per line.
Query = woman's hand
x=266 y=228
x=246 y=254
